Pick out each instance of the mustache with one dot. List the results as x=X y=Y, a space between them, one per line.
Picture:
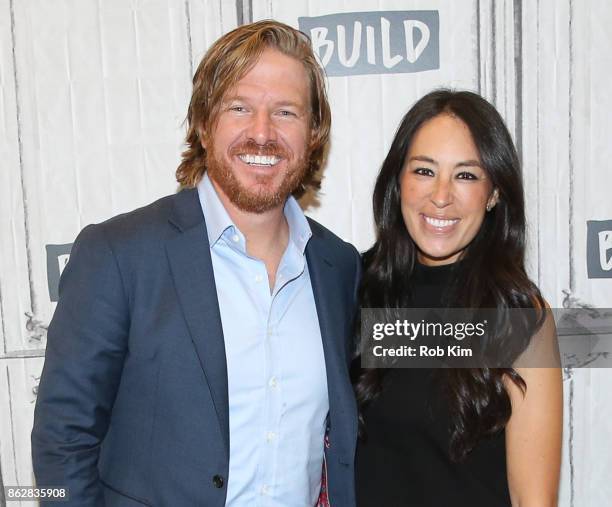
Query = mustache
x=250 y=147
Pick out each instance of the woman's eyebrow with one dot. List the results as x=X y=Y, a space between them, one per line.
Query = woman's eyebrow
x=469 y=163
x=429 y=160
x=422 y=158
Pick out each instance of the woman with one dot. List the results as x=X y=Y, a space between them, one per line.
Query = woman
x=449 y=213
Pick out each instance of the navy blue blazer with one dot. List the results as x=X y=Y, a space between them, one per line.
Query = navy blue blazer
x=132 y=406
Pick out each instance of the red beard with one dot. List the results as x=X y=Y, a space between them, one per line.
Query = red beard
x=266 y=197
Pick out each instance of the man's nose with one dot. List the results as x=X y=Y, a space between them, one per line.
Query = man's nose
x=261 y=129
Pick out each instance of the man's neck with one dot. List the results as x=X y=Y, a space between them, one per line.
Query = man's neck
x=266 y=234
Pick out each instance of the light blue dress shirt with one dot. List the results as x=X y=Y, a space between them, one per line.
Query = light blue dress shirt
x=277 y=383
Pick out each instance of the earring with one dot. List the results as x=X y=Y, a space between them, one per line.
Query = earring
x=493 y=201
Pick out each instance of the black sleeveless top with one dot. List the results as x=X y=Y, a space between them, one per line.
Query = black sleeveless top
x=403 y=457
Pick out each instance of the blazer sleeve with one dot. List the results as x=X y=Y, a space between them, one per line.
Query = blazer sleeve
x=86 y=346
x=355 y=322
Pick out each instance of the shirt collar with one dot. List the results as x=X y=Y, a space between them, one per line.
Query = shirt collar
x=215 y=215
x=299 y=228
x=218 y=220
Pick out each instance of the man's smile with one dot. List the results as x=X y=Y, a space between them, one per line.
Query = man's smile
x=262 y=160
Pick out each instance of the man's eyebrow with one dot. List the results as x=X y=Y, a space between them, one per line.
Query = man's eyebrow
x=289 y=103
x=280 y=103
x=231 y=98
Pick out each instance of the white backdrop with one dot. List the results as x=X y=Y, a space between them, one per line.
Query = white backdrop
x=92 y=98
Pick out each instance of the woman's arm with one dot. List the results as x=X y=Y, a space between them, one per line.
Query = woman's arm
x=533 y=433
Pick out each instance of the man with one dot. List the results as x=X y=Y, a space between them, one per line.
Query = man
x=199 y=351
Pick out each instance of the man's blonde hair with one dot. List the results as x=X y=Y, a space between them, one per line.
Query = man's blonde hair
x=224 y=64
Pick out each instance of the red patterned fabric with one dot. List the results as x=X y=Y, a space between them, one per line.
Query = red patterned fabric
x=323 y=497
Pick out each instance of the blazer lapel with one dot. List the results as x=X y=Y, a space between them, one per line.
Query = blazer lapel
x=329 y=301
x=192 y=271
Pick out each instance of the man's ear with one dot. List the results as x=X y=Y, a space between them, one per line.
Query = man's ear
x=312 y=137
x=201 y=136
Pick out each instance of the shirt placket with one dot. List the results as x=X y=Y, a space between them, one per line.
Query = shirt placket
x=287 y=271
x=267 y=474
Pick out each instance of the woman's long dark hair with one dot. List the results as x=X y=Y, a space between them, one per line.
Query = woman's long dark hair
x=492 y=273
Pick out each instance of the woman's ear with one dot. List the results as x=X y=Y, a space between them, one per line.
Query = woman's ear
x=493 y=200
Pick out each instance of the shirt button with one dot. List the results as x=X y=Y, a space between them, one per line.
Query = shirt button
x=270 y=436
x=259 y=278
x=273 y=383
x=265 y=489
x=235 y=238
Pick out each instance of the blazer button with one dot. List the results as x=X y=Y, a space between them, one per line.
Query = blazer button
x=218 y=481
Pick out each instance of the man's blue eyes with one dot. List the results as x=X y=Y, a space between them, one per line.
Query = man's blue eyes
x=242 y=109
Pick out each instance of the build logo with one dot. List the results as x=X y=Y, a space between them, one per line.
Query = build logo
x=381 y=42
x=599 y=248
